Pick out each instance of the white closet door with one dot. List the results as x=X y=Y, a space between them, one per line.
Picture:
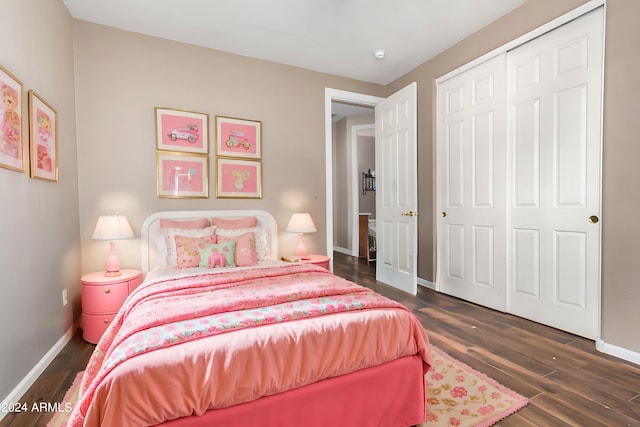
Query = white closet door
x=471 y=184
x=554 y=92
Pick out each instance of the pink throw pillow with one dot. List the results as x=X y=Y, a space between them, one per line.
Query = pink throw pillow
x=245 y=252
x=235 y=223
x=189 y=224
x=187 y=253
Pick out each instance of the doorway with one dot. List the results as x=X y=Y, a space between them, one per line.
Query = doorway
x=353 y=133
x=342 y=211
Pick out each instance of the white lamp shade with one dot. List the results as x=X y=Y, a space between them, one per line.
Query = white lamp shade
x=301 y=223
x=112 y=227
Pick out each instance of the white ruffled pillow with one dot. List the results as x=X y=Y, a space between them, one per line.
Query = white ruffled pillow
x=168 y=242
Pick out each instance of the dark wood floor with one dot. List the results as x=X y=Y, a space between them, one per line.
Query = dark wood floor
x=567 y=381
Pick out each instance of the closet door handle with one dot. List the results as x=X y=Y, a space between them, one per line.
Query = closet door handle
x=410 y=213
x=593 y=219
x=444 y=214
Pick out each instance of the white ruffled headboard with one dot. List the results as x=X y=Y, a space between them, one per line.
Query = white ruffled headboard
x=151 y=229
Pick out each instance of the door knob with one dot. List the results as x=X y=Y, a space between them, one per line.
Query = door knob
x=593 y=219
x=444 y=214
x=410 y=213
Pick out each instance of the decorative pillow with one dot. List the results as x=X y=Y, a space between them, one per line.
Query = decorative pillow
x=260 y=238
x=170 y=243
x=235 y=223
x=189 y=224
x=207 y=249
x=245 y=253
x=187 y=255
x=160 y=240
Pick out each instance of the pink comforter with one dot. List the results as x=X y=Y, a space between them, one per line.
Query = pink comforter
x=180 y=347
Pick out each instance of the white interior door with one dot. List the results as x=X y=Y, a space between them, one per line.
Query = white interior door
x=471 y=145
x=396 y=192
x=554 y=176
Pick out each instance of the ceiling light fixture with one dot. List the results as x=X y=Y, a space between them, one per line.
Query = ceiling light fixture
x=378 y=54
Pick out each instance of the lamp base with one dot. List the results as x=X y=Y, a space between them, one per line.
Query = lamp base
x=112 y=273
x=112 y=267
x=301 y=250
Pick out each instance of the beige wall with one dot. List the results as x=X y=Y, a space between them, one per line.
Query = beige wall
x=620 y=229
x=122 y=76
x=621 y=175
x=341 y=237
x=39 y=239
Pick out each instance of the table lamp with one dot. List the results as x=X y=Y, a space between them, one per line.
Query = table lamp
x=301 y=223
x=112 y=227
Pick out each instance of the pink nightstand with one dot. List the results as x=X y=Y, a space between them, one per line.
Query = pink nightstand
x=319 y=260
x=102 y=297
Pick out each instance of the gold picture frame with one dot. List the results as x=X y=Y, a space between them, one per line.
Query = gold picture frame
x=12 y=152
x=238 y=178
x=182 y=175
x=239 y=138
x=43 y=139
x=184 y=131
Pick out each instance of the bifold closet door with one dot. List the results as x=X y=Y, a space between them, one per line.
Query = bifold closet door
x=554 y=140
x=471 y=167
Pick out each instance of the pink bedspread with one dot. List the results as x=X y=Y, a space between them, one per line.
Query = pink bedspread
x=182 y=346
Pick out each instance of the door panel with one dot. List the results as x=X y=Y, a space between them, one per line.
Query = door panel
x=555 y=106
x=570 y=146
x=526 y=262
x=471 y=189
x=526 y=146
x=396 y=194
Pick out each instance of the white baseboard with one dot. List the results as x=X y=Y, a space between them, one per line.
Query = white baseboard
x=619 y=352
x=36 y=371
x=426 y=284
x=342 y=250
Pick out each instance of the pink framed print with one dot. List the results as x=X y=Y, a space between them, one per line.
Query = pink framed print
x=43 y=139
x=182 y=175
x=11 y=141
x=184 y=131
x=238 y=138
x=238 y=178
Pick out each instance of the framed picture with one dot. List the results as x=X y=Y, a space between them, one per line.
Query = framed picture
x=239 y=178
x=11 y=141
x=43 y=139
x=182 y=175
x=238 y=138
x=184 y=131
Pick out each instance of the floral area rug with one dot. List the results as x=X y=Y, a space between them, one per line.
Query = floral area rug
x=460 y=396
x=456 y=396
x=71 y=396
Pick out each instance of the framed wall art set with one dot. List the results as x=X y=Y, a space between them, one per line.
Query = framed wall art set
x=182 y=155
x=43 y=131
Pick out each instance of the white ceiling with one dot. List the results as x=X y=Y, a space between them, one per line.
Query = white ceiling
x=331 y=36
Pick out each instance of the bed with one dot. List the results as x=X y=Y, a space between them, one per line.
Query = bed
x=250 y=340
